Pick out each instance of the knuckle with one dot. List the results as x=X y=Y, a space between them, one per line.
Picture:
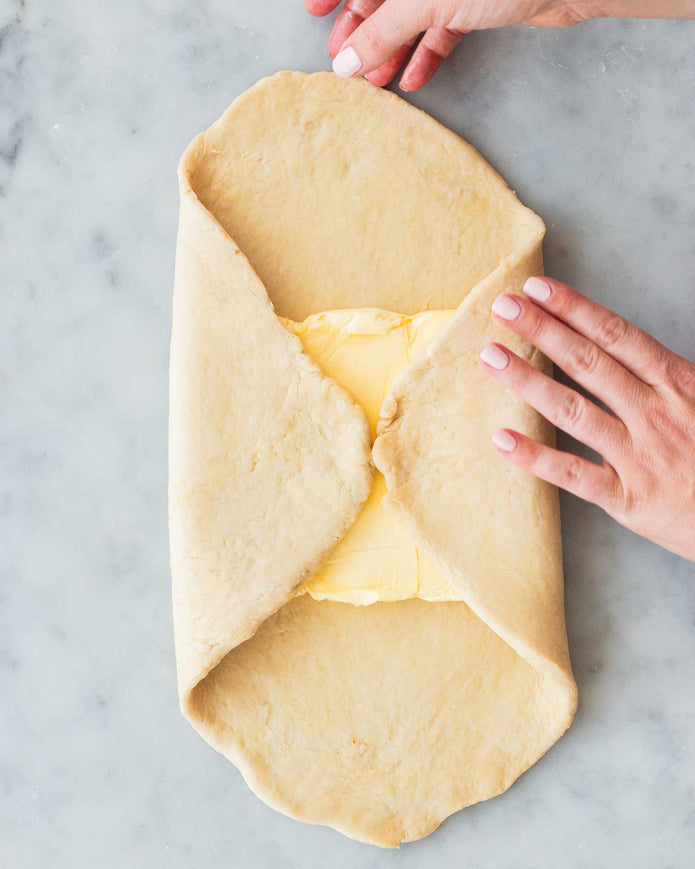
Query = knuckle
x=583 y=358
x=573 y=14
x=681 y=376
x=571 y=411
x=519 y=376
x=571 y=476
x=612 y=331
x=566 y=301
x=631 y=500
x=631 y=503
x=534 y=323
x=664 y=423
x=613 y=495
x=453 y=15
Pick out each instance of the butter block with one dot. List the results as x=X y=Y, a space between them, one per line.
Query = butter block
x=364 y=350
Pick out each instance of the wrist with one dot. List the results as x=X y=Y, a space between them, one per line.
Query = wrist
x=678 y=9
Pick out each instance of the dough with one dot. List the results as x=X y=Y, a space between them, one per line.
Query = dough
x=312 y=194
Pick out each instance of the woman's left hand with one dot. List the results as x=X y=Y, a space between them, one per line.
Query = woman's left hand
x=647 y=440
x=374 y=38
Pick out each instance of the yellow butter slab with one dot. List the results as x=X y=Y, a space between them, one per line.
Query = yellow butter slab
x=364 y=349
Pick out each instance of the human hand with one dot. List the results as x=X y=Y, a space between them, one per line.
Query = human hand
x=373 y=38
x=647 y=440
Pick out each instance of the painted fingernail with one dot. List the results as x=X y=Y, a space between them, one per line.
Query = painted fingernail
x=506 y=307
x=495 y=357
x=538 y=289
x=504 y=441
x=346 y=63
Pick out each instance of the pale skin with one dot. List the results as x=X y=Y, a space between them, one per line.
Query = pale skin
x=374 y=38
x=646 y=438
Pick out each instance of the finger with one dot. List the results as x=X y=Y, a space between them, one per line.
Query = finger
x=637 y=351
x=385 y=73
x=349 y=19
x=435 y=45
x=598 y=484
x=320 y=7
x=579 y=357
x=380 y=36
x=562 y=406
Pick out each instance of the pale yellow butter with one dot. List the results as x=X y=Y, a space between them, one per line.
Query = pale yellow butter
x=363 y=350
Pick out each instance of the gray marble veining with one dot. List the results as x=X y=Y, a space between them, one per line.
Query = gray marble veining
x=594 y=127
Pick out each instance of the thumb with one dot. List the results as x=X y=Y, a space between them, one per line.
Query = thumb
x=379 y=36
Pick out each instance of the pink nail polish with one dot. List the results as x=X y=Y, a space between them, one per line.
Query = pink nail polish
x=495 y=357
x=504 y=441
x=346 y=63
x=506 y=307
x=538 y=289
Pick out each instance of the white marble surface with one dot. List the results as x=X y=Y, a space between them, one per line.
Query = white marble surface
x=595 y=129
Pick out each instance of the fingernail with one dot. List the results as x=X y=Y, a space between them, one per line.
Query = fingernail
x=495 y=357
x=538 y=289
x=506 y=307
x=346 y=63
x=504 y=441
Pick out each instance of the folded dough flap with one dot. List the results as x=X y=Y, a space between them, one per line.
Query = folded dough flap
x=310 y=194
x=492 y=529
x=269 y=459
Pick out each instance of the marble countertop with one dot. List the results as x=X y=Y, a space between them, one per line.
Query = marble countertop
x=595 y=129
